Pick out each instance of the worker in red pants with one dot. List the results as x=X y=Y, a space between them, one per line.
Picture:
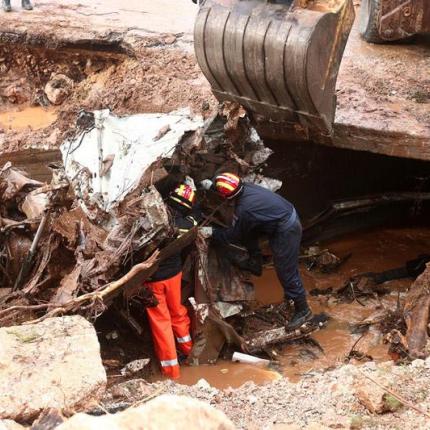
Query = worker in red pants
x=169 y=320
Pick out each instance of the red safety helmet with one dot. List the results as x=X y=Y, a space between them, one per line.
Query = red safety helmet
x=228 y=185
x=184 y=195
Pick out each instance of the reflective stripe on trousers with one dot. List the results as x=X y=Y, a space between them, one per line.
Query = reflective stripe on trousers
x=184 y=339
x=167 y=363
x=169 y=319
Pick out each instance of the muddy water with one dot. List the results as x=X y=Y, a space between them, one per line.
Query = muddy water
x=30 y=117
x=371 y=251
x=226 y=374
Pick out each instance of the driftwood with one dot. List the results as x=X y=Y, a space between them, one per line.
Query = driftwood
x=101 y=294
x=261 y=340
x=416 y=314
x=29 y=258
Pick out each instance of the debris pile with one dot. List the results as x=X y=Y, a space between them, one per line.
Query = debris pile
x=101 y=225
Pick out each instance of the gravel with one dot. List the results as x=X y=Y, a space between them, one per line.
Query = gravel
x=320 y=400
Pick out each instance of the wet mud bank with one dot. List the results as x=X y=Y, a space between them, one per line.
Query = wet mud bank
x=379 y=87
x=44 y=85
x=36 y=89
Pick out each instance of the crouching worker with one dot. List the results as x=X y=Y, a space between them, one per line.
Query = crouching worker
x=261 y=212
x=169 y=320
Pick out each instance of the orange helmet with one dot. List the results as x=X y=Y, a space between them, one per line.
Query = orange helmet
x=228 y=185
x=184 y=195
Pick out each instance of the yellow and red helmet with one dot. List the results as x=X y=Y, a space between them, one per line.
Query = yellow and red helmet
x=228 y=185
x=184 y=195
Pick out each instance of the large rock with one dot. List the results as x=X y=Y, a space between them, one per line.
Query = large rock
x=166 y=412
x=10 y=425
x=52 y=364
x=58 y=88
x=374 y=398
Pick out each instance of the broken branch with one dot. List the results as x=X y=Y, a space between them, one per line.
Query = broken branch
x=102 y=293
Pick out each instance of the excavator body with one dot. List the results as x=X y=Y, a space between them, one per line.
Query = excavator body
x=383 y=21
x=279 y=59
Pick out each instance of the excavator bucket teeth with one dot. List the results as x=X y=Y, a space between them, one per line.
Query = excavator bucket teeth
x=279 y=58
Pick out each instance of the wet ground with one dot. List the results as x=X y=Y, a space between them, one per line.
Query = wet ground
x=376 y=250
x=162 y=16
x=32 y=117
x=383 y=91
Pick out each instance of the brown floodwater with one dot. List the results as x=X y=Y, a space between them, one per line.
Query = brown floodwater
x=371 y=251
x=34 y=118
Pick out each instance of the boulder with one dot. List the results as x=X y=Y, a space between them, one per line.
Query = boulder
x=166 y=412
x=374 y=398
x=53 y=364
x=58 y=89
x=10 y=425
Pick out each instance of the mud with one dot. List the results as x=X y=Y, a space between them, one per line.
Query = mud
x=34 y=118
x=372 y=251
x=322 y=400
x=384 y=87
x=382 y=91
x=147 y=80
x=226 y=374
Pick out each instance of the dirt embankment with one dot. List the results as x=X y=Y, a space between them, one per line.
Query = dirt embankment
x=383 y=91
x=153 y=78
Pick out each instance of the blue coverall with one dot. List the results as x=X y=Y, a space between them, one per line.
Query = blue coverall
x=261 y=212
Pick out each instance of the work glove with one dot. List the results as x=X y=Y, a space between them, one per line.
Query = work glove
x=190 y=182
x=206 y=232
x=206 y=184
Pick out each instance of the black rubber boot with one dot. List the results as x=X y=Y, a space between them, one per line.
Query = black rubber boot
x=302 y=314
x=26 y=4
x=6 y=5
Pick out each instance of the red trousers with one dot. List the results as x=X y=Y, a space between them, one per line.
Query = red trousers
x=169 y=319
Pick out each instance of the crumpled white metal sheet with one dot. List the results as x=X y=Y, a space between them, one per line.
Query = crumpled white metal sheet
x=115 y=153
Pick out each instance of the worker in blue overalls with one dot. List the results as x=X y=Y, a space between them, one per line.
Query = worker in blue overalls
x=259 y=212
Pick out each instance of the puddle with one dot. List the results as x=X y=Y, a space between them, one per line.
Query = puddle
x=226 y=374
x=371 y=251
x=34 y=118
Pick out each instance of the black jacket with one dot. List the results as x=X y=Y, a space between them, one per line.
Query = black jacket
x=173 y=265
x=258 y=212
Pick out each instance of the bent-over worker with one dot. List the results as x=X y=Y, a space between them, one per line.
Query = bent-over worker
x=261 y=212
x=169 y=320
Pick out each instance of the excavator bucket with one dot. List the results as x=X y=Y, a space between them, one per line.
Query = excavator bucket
x=279 y=58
